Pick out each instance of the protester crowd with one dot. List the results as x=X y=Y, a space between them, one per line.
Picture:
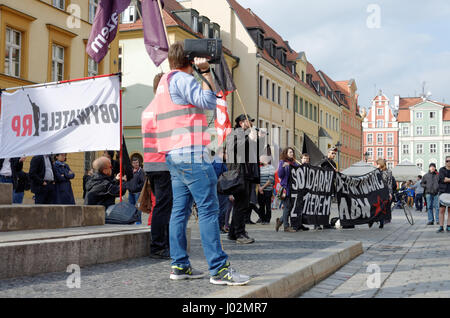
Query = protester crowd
x=225 y=186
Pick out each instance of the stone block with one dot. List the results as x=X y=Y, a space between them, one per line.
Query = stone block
x=6 y=191
x=93 y=215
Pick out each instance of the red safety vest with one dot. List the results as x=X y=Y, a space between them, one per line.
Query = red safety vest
x=167 y=126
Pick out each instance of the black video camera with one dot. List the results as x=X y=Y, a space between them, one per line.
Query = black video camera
x=207 y=48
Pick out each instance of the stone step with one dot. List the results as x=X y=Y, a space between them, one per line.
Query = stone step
x=27 y=253
x=34 y=217
x=6 y=191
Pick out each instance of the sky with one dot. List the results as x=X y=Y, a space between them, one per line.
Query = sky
x=392 y=45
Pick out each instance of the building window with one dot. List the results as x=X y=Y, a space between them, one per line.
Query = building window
x=303 y=76
x=261 y=81
x=370 y=152
x=405 y=149
x=432 y=115
x=295 y=104
x=315 y=113
x=447 y=148
x=390 y=139
x=380 y=139
x=92 y=67
x=13 y=51
x=120 y=58
x=321 y=117
x=433 y=148
x=419 y=130
x=419 y=115
x=93 y=5
x=390 y=165
x=433 y=130
x=380 y=111
x=369 y=138
x=301 y=106
x=267 y=89
x=380 y=123
x=306 y=109
x=390 y=153
x=279 y=95
x=420 y=166
x=419 y=149
x=310 y=111
x=446 y=130
x=380 y=152
x=57 y=63
x=405 y=131
x=195 y=24
x=287 y=100
x=273 y=92
x=60 y=4
x=129 y=15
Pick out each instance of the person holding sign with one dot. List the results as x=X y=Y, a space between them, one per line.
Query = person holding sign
x=387 y=179
x=329 y=164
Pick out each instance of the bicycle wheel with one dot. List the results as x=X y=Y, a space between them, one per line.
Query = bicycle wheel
x=408 y=214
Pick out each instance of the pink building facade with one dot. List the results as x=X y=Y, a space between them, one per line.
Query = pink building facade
x=380 y=132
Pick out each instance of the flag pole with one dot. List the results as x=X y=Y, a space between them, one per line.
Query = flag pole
x=121 y=140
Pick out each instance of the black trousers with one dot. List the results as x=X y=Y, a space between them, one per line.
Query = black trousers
x=240 y=210
x=265 y=206
x=161 y=186
x=46 y=194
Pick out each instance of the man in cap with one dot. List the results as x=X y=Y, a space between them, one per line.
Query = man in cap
x=243 y=155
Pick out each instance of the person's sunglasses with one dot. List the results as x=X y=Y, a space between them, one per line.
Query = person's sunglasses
x=447 y=161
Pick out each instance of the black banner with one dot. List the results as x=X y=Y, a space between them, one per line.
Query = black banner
x=311 y=192
x=362 y=199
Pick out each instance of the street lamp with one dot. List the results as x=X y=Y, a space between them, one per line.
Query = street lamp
x=366 y=156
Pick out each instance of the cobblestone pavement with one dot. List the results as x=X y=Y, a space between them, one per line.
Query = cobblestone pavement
x=414 y=261
x=145 y=277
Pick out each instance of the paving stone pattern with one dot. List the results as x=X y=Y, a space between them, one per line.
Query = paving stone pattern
x=414 y=261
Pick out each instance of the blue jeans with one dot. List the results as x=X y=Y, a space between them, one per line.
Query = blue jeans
x=132 y=199
x=194 y=178
x=18 y=197
x=286 y=212
x=419 y=201
x=433 y=203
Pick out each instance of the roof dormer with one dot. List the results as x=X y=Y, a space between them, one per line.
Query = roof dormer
x=189 y=17
x=270 y=44
x=203 y=26
x=257 y=35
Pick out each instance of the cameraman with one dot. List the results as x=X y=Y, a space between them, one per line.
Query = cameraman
x=180 y=124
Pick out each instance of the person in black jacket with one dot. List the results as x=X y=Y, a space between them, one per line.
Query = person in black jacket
x=102 y=188
x=9 y=170
x=42 y=175
x=63 y=175
x=243 y=153
x=136 y=184
x=444 y=187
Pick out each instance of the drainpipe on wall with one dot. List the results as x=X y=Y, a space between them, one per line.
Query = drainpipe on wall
x=257 y=95
x=293 y=108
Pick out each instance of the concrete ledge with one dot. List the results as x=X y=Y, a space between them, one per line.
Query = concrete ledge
x=52 y=252
x=6 y=191
x=33 y=217
x=297 y=276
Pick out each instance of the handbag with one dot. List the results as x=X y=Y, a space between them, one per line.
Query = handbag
x=144 y=203
x=231 y=182
x=282 y=194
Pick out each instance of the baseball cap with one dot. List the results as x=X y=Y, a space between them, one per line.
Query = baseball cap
x=243 y=117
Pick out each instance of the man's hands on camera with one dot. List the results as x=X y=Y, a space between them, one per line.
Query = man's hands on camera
x=201 y=63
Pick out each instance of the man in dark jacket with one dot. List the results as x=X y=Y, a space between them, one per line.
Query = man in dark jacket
x=9 y=170
x=329 y=164
x=42 y=176
x=102 y=188
x=430 y=184
x=243 y=154
x=444 y=187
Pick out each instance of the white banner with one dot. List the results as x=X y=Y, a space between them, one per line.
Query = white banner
x=72 y=117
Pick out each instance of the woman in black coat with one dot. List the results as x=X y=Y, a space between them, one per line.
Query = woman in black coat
x=63 y=175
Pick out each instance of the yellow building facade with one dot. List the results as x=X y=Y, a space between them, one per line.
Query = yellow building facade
x=45 y=41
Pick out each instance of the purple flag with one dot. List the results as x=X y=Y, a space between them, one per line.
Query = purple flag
x=104 y=28
x=155 y=38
